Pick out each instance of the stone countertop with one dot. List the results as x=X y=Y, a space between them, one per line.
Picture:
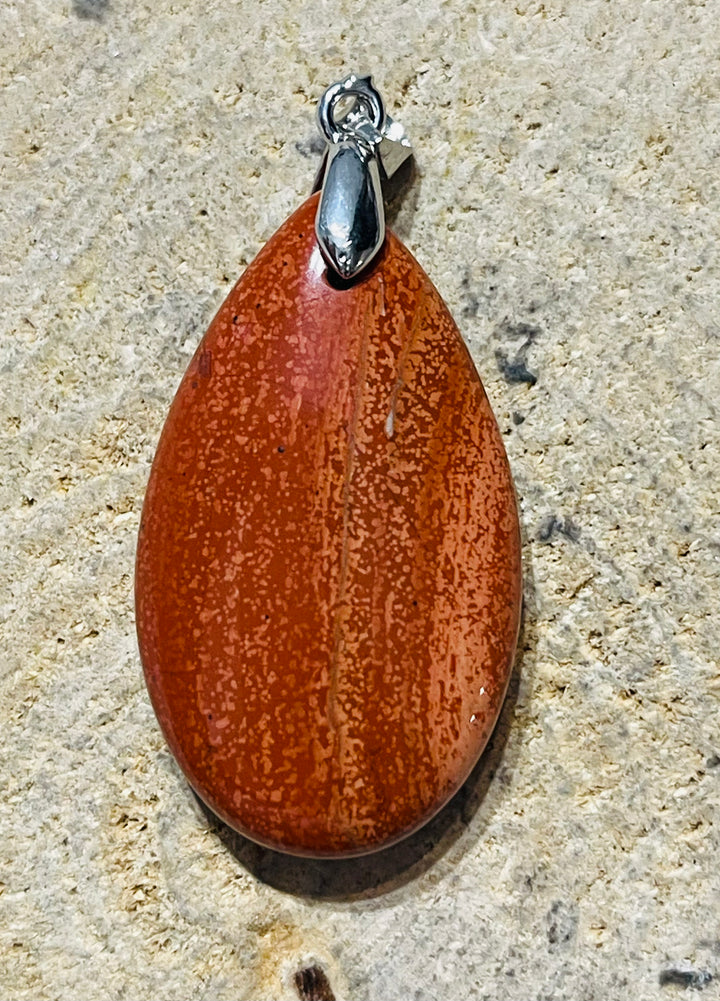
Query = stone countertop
x=567 y=207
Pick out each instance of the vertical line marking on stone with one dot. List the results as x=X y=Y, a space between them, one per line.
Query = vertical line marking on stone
x=332 y=711
x=402 y=361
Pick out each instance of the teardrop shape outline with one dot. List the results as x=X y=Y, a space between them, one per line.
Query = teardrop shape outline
x=211 y=359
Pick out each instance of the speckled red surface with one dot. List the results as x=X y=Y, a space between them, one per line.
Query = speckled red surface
x=328 y=574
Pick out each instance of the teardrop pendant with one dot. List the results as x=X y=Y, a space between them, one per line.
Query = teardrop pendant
x=328 y=571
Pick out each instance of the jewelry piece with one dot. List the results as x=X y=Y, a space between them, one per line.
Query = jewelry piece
x=328 y=574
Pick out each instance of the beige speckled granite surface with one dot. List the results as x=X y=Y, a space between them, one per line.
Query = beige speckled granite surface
x=568 y=208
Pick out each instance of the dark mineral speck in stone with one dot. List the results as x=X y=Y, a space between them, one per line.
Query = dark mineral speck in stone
x=312 y=985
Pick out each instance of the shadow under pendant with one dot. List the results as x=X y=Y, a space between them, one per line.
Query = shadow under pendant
x=328 y=579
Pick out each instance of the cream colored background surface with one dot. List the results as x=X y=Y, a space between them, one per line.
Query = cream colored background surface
x=567 y=207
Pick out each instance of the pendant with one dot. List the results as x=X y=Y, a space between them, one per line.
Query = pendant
x=328 y=575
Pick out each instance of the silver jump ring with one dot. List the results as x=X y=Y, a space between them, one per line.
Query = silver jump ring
x=366 y=96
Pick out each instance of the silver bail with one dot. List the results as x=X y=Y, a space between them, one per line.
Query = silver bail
x=365 y=149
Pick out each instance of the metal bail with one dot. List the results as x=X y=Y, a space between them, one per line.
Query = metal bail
x=366 y=148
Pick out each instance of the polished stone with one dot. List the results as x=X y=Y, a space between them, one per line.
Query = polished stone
x=328 y=578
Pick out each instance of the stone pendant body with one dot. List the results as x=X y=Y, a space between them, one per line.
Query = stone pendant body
x=328 y=571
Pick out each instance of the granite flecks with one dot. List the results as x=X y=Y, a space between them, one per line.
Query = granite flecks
x=515 y=339
x=147 y=157
x=674 y=977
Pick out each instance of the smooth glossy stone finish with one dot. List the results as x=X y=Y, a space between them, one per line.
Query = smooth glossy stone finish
x=328 y=575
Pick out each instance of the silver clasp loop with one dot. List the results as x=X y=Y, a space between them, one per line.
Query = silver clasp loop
x=365 y=117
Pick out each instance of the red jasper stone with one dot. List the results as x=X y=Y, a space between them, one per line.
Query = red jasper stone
x=328 y=572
